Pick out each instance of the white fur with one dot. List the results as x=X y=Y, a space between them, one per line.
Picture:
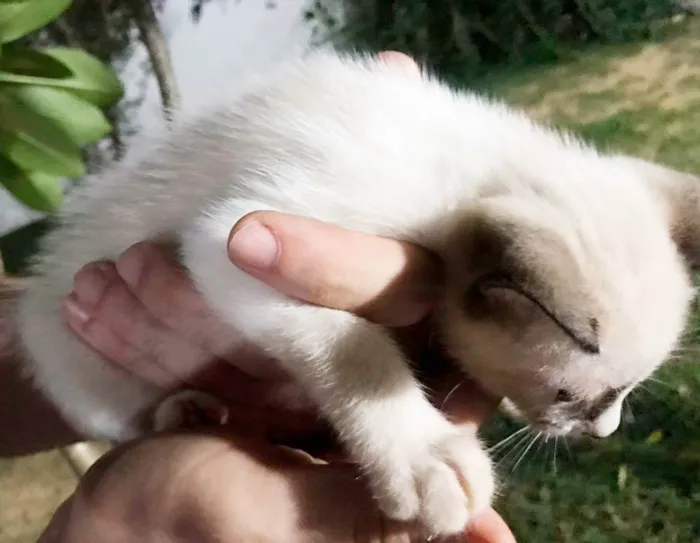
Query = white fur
x=355 y=143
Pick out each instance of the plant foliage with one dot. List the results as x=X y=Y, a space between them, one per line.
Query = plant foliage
x=471 y=36
x=51 y=105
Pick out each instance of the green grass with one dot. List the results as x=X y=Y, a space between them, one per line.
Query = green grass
x=643 y=484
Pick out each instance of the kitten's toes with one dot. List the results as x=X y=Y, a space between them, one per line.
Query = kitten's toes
x=396 y=493
x=442 y=485
x=189 y=409
x=444 y=508
x=471 y=468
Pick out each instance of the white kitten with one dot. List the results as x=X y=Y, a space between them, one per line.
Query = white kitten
x=565 y=283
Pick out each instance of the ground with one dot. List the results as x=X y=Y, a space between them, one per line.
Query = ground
x=641 y=486
x=30 y=489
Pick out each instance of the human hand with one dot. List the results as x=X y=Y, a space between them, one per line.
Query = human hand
x=317 y=262
x=214 y=486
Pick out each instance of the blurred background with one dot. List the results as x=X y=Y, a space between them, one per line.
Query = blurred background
x=623 y=73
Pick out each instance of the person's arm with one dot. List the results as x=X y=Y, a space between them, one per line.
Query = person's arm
x=28 y=421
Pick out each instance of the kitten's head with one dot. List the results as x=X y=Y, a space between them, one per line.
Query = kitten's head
x=563 y=296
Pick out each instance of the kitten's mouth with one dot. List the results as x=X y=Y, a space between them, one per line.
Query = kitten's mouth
x=568 y=429
x=546 y=427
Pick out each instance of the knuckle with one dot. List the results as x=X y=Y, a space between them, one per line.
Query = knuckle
x=92 y=282
x=136 y=264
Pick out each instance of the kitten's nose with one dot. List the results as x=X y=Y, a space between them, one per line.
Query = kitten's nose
x=605 y=425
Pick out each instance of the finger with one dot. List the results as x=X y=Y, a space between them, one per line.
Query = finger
x=387 y=281
x=165 y=290
x=103 y=312
x=400 y=62
x=158 y=281
x=489 y=527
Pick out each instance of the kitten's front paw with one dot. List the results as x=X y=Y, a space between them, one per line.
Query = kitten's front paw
x=443 y=486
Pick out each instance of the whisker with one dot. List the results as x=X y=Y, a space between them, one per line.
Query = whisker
x=524 y=444
x=554 y=462
x=532 y=442
x=514 y=450
x=542 y=442
x=568 y=449
x=542 y=460
x=507 y=439
x=545 y=452
x=450 y=393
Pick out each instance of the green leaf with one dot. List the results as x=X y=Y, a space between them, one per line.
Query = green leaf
x=81 y=121
x=92 y=80
x=20 y=18
x=26 y=61
x=89 y=78
x=36 y=190
x=35 y=143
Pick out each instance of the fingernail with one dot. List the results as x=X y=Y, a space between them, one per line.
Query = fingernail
x=254 y=246
x=130 y=267
x=89 y=286
x=75 y=312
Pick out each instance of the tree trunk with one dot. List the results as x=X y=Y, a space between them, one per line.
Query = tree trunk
x=159 y=55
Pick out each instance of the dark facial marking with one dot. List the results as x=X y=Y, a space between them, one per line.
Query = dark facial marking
x=499 y=261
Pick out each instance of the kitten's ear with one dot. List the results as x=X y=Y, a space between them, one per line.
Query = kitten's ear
x=507 y=256
x=680 y=195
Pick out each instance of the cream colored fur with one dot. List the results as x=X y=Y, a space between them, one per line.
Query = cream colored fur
x=564 y=278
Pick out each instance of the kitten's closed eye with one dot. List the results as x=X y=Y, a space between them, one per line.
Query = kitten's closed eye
x=584 y=338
